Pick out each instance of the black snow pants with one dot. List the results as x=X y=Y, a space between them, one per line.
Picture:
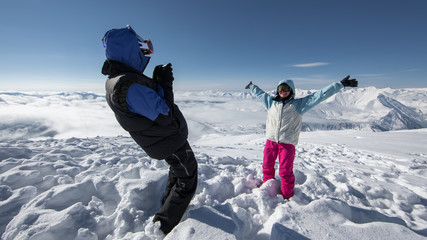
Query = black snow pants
x=180 y=188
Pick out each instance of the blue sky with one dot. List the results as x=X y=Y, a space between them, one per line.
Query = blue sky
x=218 y=45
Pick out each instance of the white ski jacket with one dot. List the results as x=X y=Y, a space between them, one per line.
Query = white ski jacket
x=284 y=119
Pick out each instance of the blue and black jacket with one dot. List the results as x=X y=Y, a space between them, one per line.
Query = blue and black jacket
x=143 y=107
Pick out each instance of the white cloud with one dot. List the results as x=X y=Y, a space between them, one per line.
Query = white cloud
x=60 y=115
x=410 y=70
x=370 y=75
x=315 y=64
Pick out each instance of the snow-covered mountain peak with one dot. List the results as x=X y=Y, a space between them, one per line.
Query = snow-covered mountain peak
x=82 y=114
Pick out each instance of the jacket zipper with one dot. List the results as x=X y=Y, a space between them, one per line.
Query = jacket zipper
x=280 y=123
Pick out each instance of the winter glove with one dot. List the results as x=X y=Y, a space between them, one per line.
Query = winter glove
x=163 y=73
x=349 y=82
x=247 y=86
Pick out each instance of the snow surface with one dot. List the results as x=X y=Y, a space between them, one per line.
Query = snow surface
x=68 y=171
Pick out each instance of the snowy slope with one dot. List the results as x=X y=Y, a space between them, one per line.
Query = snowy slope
x=370 y=108
x=89 y=183
x=108 y=188
x=400 y=116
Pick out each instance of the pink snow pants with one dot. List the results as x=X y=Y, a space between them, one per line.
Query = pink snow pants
x=286 y=153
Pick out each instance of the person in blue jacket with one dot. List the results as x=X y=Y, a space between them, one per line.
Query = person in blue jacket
x=145 y=108
x=283 y=126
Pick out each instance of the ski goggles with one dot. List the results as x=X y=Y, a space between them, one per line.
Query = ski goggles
x=145 y=45
x=283 y=88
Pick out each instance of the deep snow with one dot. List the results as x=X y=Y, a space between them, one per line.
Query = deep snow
x=68 y=175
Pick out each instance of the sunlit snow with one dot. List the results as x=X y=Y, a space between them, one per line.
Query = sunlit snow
x=68 y=171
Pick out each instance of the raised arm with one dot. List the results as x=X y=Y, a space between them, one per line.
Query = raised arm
x=304 y=104
x=264 y=97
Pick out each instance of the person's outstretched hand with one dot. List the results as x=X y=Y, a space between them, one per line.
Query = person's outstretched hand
x=347 y=82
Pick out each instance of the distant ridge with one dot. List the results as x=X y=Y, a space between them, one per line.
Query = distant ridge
x=32 y=115
x=400 y=116
x=367 y=108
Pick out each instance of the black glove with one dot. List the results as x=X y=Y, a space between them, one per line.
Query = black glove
x=247 y=86
x=163 y=73
x=349 y=82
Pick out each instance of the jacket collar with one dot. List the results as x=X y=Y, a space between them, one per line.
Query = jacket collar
x=113 y=68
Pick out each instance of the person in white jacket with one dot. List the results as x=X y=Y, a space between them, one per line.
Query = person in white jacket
x=283 y=127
